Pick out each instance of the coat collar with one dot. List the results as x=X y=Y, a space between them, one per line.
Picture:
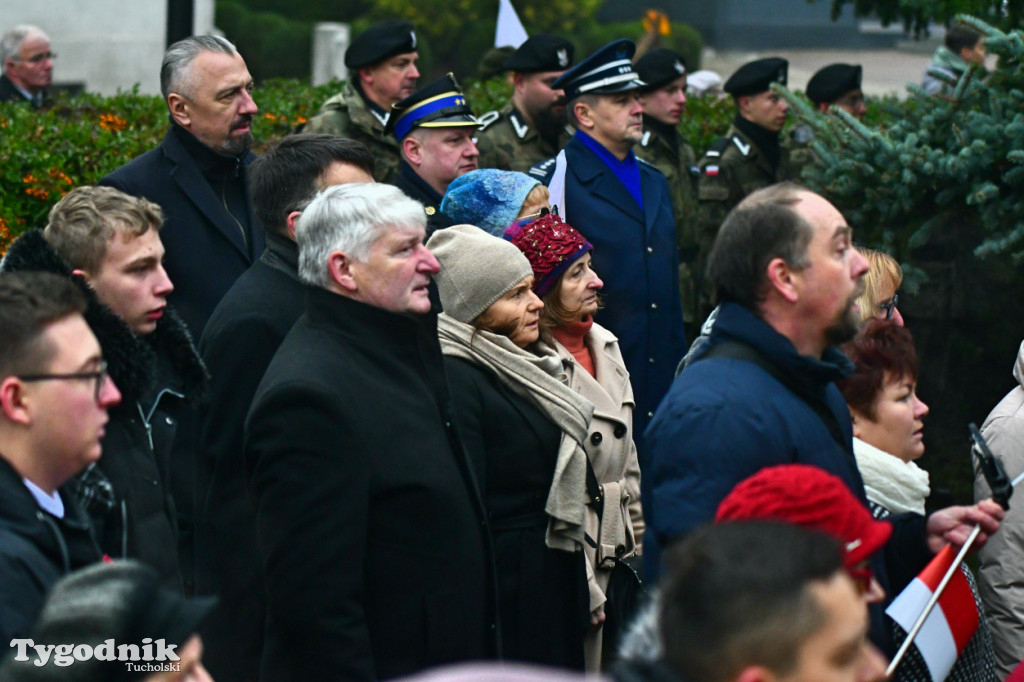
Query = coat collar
x=611 y=388
x=367 y=325
x=187 y=175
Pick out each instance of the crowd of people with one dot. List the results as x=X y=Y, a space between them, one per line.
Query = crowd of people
x=413 y=389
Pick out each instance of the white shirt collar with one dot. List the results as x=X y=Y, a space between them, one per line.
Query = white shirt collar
x=49 y=503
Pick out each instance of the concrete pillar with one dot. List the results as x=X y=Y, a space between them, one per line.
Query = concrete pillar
x=330 y=40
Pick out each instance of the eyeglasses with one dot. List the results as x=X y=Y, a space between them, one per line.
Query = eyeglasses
x=36 y=58
x=890 y=306
x=99 y=376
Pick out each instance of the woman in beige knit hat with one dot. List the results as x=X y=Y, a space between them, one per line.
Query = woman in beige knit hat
x=524 y=430
x=593 y=366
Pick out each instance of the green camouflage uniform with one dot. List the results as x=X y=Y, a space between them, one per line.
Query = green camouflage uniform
x=347 y=115
x=678 y=164
x=731 y=169
x=801 y=155
x=507 y=142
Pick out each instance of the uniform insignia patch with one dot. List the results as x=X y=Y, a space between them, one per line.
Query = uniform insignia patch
x=563 y=57
x=711 y=170
x=744 y=148
x=412 y=37
x=487 y=119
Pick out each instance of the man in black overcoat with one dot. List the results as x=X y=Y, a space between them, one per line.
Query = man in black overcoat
x=243 y=334
x=374 y=538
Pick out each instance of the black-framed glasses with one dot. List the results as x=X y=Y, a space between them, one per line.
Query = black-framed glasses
x=890 y=306
x=99 y=376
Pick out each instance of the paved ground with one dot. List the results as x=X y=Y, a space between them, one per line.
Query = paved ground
x=885 y=71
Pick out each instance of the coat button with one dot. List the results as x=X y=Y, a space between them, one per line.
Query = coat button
x=620 y=430
x=596 y=438
x=650 y=249
x=170 y=422
x=654 y=306
x=651 y=361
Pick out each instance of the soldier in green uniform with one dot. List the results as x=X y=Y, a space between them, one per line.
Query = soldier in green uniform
x=531 y=128
x=833 y=85
x=382 y=71
x=749 y=157
x=663 y=99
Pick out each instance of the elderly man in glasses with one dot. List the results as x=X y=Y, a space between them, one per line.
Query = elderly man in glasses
x=27 y=65
x=54 y=397
x=108 y=243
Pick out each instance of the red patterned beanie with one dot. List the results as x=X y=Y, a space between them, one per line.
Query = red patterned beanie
x=550 y=245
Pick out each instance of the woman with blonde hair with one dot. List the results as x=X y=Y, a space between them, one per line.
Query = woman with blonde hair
x=881 y=283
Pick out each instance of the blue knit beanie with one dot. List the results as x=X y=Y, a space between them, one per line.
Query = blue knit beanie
x=488 y=198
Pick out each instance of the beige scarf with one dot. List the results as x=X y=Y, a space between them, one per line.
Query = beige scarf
x=537 y=378
x=889 y=481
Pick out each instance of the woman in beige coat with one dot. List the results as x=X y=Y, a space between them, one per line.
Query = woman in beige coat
x=593 y=367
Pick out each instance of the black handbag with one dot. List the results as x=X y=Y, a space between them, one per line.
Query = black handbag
x=626 y=592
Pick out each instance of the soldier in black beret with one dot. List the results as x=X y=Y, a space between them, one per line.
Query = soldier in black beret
x=664 y=102
x=531 y=126
x=838 y=85
x=749 y=157
x=382 y=70
x=434 y=128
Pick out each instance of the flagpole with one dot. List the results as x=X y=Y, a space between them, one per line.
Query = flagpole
x=919 y=623
x=1001 y=487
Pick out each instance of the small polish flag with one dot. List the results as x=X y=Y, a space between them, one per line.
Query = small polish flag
x=710 y=170
x=952 y=622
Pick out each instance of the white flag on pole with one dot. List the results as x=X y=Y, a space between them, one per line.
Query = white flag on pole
x=510 y=30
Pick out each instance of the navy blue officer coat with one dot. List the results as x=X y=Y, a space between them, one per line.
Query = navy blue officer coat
x=635 y=255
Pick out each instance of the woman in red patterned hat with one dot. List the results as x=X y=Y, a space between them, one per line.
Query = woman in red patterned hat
x=593 y=366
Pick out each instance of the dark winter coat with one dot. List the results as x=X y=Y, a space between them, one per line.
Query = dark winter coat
x=159 y=376
x=414 y=187
x=635 y=254
x=725 y=419
x=514 y=447
x=205 y=247
x=36 y=550
x=10 y=93
x=244 y=332
x=375 y=546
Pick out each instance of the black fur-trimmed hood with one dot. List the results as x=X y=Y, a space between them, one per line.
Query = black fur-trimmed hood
x=131 y=359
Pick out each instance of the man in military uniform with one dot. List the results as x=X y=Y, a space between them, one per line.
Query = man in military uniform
x=382 y=70
x=531 y=127
x=623 y=206
x=833 y=85
x=434 y=128
x=663 y=99
x=749 y=157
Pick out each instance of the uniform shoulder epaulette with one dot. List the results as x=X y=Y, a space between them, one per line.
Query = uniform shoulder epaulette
x=744 y=147
x=544 y=168
x=487 y=119
x=716 y=149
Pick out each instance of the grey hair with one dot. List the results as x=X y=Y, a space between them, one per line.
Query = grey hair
x=175 y=68
x=10 y=43
x=350 y=218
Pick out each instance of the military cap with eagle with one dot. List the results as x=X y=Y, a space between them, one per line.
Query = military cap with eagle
x=542 y=52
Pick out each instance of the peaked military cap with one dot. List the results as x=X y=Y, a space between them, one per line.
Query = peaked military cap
x=660 y=67
x=756 y=76
x=542 y=52
x=438 y=105
x=833 y=81
x=379 y=42
x=606 y=71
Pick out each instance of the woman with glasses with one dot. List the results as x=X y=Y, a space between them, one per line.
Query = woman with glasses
x=888 y=431
x=881 y=283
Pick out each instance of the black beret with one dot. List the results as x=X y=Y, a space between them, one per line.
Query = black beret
x=379 y=42
x=833 y=81
x=607 y=71
x=660 y=67
x=438 y=105
x=756 y=76
x=542 y=52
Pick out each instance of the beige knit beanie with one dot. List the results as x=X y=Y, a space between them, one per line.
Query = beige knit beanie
x=476 y=269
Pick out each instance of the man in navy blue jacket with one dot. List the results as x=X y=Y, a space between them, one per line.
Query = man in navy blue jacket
x=761 y=390
x=623 y=207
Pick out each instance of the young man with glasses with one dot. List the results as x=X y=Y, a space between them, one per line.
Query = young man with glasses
x=108 y=243
x=27 y=64
x=54 y=397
